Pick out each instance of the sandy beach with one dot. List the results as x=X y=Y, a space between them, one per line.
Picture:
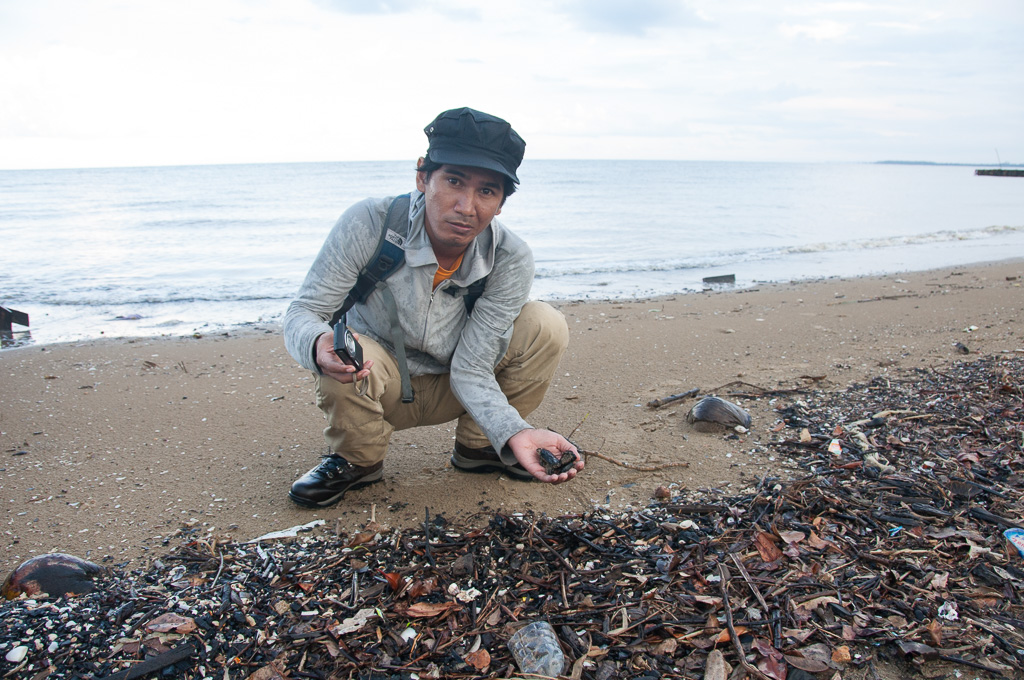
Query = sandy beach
x=115 y=449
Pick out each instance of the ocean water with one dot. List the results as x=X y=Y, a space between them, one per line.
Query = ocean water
x=181 y=250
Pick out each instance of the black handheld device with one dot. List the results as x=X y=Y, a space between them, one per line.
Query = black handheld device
x=346 y=347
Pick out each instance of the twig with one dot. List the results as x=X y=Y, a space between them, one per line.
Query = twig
x=426 y=537
x=536 y=533
x=750 y=583
x=638 y=468
x=219 y=570
x=578 y=426
x=724 y=585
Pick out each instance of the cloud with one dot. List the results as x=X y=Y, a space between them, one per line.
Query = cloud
x=818 y=30
x=368 y=6
x=630 y=18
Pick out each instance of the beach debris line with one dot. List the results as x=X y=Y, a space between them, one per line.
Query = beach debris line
x=839 y=570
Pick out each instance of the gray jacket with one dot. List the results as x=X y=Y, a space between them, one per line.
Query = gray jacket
x=439 y=336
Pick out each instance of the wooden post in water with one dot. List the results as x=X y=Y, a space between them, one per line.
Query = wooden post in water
x=11 y=316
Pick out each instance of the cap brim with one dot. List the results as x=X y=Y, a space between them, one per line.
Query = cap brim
x=474 y=160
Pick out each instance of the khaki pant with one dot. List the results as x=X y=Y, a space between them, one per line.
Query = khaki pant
x=359 y=427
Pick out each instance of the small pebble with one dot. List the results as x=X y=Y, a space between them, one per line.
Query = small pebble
x=18 y=654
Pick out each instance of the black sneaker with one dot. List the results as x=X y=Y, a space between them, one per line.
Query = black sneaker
x=486 y=460
x=327 y=483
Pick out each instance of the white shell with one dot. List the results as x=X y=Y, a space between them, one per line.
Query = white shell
x=18 y=654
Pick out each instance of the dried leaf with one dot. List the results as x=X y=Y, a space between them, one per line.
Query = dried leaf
x=394 y=580
x=897 y=621
x=480 y=659
x=792 y=536
x=934 y=629
x=764 y=647
x=171 y=623
x=812 y=604
x=712 y=600
x=805 y=664
x=361 y=538
x=772 y=667
x=428 y=609
x=723 y=637
x=819 y=652
x=766 y=547
x=798 y=634
x=269 y=672
x=667 y=647
x=421 y=588
x=817 y=542
x=716 y=668
x=841 y=655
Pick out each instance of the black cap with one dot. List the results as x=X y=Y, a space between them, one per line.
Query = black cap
x=469 y=137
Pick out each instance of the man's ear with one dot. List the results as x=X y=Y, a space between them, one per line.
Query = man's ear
x=421 y=177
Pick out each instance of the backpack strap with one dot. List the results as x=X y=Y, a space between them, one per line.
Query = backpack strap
x=470 y=294
x=387 y=258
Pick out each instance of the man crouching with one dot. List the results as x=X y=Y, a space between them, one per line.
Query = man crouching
x=441 y=321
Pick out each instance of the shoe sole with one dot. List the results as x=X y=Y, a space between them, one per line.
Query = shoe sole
x=333 y=499
x=481 y=467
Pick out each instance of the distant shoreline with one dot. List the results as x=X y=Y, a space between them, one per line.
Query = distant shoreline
x=965 y=165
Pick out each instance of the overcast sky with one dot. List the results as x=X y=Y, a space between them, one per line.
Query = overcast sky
x=88 y=83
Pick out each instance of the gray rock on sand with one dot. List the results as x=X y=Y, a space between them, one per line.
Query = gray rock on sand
x=713 y=414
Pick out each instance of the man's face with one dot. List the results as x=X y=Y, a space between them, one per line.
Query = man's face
x=460 y=202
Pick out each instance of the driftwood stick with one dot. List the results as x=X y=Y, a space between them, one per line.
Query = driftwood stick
x=657 y=403
x=628 y=466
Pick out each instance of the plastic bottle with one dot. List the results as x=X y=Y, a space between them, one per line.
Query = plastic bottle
x=535 y=649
